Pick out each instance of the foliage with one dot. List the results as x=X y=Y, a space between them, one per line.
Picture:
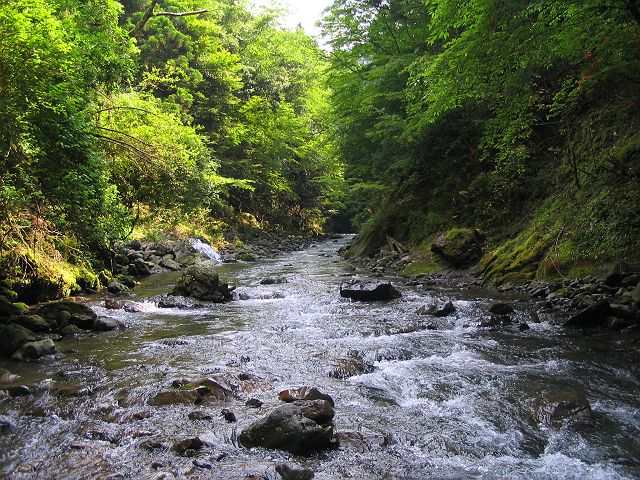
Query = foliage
x=480 y=112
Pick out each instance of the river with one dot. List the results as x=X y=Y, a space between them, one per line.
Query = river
x=451 y=403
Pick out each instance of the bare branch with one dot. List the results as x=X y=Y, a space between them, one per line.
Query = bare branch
x=124 y=144
x=181 y=14
x=126 y=135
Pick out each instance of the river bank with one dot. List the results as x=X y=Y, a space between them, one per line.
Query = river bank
x=462 y=400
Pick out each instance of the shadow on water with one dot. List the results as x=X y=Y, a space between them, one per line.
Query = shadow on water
x=451 y=403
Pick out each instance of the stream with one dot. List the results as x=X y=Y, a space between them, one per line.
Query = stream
x=451 y=403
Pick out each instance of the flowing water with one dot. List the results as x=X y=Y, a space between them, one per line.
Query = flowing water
x=452 y=403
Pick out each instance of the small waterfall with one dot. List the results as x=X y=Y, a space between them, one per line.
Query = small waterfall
x=205 y=249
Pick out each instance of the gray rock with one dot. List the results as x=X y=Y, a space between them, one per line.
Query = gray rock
x=369 y=292
x=286 y=428
x=34 y=350
x=116 y=287
x=106 y=324
x=65 y=311
x=142 y=268
x=170 y=264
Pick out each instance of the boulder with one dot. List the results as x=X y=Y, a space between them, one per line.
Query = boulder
x=501 y=308
x=461 y=247
x=13 y=337
x=66 y=312
x=369 y=292
x=106 y=324
x=320 y=411
x=140 y=267
x=6 y=425
x=183 y=447
x=286 y=428
x=288 y=472
x=560 y=406
x=191 y=392
x=202 y=283
x=593 y=316
x=116 y=287
x=35 y=323
x=33 y=350
x=304 y=393
x=349 y=367
x=437 y=309
x=170 y=264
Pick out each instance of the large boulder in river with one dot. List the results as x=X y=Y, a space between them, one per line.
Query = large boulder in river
x=68 y=313
x=369 y=292
x=287 y=428
x=202 y=283
x=461 y=247
x=12 y=337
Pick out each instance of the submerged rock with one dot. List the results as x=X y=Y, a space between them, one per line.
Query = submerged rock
x=349 y=367
x=286 y=428
x=369 y=292
x=554 y=409
x=288 y=472
x=501 y=308
x=193 y=391
x=437 y=309
x=183 y=447
x=304 y=393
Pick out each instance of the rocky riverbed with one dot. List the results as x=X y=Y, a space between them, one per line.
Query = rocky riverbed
x=292 y=380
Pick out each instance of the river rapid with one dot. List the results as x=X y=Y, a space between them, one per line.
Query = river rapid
x=452 y=403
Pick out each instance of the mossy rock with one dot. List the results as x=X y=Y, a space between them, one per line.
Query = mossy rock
x=246 y=257
x=461 y=247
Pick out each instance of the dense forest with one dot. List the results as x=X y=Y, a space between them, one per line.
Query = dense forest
x=517 y=118
x=137 y=117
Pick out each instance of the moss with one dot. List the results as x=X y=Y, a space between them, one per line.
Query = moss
x=246 y=257
x=422 y=266
x=23 y=307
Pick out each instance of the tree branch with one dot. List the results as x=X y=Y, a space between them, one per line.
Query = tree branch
x=181 y=14
x=149 y=13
